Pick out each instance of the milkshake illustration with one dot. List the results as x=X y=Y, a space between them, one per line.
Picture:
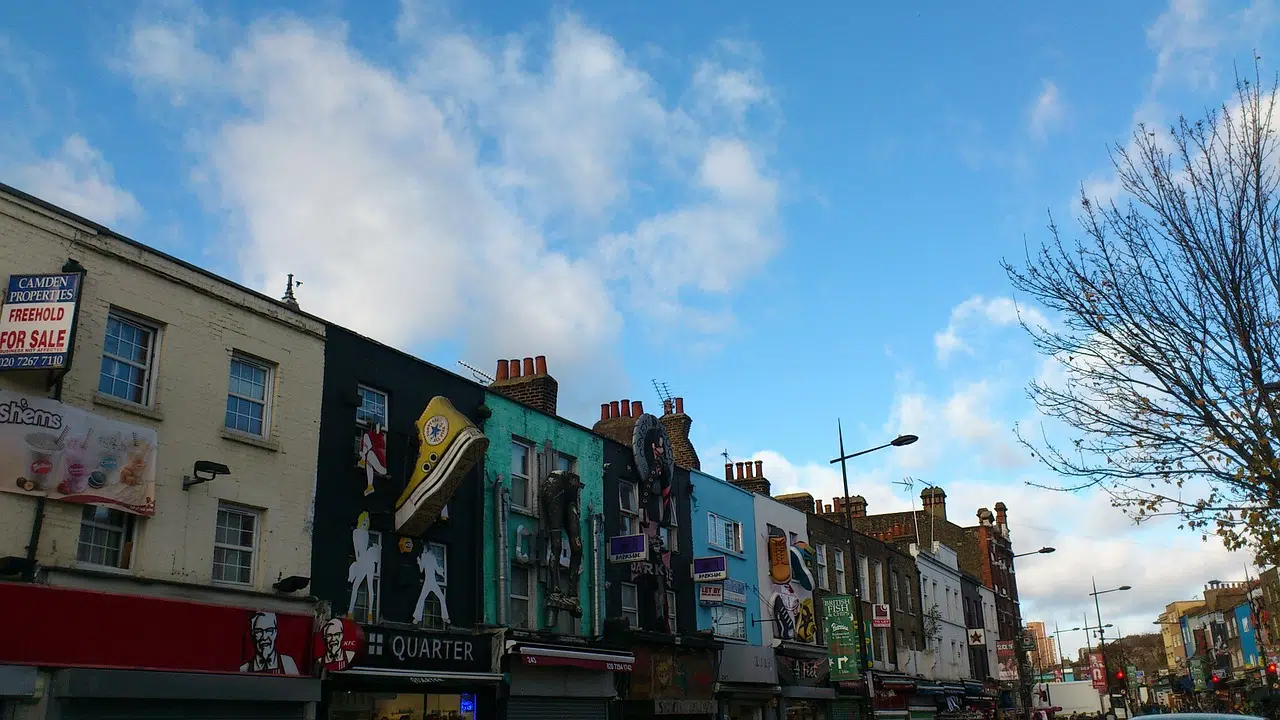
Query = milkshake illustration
x=44 y=454
x=76 y=455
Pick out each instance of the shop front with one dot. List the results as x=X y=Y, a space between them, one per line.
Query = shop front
x=803 y=675
x=563 y=682
x=78 y=654
x=851 y=700
x=374 y=672
x=747 y=684
x=891 y=698
x=978 y=703
x=672 y=682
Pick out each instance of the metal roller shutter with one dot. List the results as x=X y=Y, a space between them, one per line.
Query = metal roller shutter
x=844 y=709
x=520 y=708
x=116 y=709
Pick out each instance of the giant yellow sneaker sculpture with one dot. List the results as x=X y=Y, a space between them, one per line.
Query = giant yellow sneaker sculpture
x=449 y=445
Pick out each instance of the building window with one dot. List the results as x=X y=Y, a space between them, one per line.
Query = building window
x=106 y=537
x=367 y=609
x=877 y=582
x=522 y=591
x=629 y=508
x=565 y=463
x=248 y=396
x=433 y=615
x=521 y=475
x=128 y=359
x=820 y=555
x=894 y=586
x=631 y=604
x=881 y=641
x=671 y=535
x=838 y=556
x=728 y=621
x=862 y=577
x=235 y=541
x=671 y=611
x=373 y=406
x=908 y=598
x=902 y=640
x=724 y=533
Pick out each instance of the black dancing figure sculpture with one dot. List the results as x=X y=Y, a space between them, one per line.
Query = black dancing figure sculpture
x=561 y=494
x=656 y=465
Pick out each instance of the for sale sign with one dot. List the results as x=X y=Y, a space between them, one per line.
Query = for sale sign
x=36 y=320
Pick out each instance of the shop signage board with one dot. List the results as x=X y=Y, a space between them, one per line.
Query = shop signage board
x=710 y=569
x=63 y=453
x=1097 y=672
x=842 y=638
x=629 y=548
x=735 y=592
x=1008 y=660
x=36 y=322
x=673 y=706
x=880 y=616
x=390 y=649
x=711 y=594
x=748 y=664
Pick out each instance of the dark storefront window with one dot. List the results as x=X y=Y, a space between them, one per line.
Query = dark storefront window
x=401 y=706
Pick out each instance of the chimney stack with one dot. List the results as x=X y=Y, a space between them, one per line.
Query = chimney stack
x=620 y=423
x=859 y=506
x=801 y=501
x=739 y=466
x=1002 y=518
x=527 y=382
x=626 y=408
x=751 y=478
x=817 y=506
x=666 y=407
x=935 y=502
x=677 y=425
x=604 y=411
x=637 y=409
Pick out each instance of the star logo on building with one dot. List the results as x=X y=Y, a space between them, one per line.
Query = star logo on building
x=975 y=637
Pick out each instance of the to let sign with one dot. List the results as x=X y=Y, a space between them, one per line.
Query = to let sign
x=628 y=548
x=35 y=323
x=711 y=594
x=710 y=569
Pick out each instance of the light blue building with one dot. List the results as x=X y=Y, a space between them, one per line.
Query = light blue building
x=724 y=524
x=1248 y=636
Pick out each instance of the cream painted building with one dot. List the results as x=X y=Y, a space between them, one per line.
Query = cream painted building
x=163 y=345
x=1175 y=652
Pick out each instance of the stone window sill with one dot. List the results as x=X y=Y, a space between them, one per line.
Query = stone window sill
x=116 y=403
x=254 y=440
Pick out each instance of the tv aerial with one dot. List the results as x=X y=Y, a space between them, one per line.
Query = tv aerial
x=476 y=372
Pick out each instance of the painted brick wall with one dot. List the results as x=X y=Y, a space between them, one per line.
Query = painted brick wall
x=513 y=420
x=202 y=321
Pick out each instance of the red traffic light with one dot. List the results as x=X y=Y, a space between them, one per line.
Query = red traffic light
x=1216 y=679
x=1119 y=674
x=1271 y=669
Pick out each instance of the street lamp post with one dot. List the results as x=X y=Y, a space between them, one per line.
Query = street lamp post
x=900 y=441
x=1102 y=640
x=1057 y=642
x=1020 y=652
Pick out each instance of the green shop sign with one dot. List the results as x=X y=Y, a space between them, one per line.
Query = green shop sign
x=842 y=637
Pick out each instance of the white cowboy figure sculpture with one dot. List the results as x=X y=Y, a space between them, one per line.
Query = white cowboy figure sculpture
x=365 y=567
x=431 y=577
x=373 y=455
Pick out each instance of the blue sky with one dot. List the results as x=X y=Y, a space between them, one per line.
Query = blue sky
x=788 y=215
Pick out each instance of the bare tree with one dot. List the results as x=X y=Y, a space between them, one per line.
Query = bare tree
x=1166 y=329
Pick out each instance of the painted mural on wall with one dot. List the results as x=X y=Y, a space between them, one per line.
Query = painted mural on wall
x=373 y=455
x=432 y=576
x=560 y=498
x=655 y=465
x=449 y=445
x=364 y=569
x=791 y=600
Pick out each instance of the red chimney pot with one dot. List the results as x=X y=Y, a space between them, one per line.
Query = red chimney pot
x=728 y=471
x=626 y=408
x=515 y=368
x=528 y=367
x=604 y=411
x=679 y=406
x=613 y=409
x=540 y=365
x=740 y=475
x=666 y=406
x=637 y=408
x=760 y=468
x=502 y=370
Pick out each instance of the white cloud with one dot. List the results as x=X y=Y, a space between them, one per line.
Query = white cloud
x=79 y=179
x=994 y=312
x=1047 y=112
x=522 y=197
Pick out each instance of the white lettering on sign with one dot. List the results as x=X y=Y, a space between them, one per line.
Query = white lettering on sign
x=413 y=648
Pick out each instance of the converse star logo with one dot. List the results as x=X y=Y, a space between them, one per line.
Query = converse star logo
x=975 y=638
x=436 y=430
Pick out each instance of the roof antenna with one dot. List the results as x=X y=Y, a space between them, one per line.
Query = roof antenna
x=289 y=298
x=664 y=392
x=725 y=455
x=477 y=372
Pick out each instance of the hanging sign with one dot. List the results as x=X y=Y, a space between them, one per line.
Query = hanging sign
x=35 y=324
x=711 y=594
x=735 y=591
x=880 y=616
x=710 y=569
x=628 y=548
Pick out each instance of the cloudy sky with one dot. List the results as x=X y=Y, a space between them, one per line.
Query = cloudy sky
x=788 y=215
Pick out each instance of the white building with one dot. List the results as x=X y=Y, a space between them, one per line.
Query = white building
x=946 y=654
x=992 y=626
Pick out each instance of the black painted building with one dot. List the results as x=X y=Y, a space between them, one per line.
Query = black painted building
x=397 y=528
x=971 y=597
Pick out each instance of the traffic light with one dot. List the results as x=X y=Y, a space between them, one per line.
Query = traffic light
x=1273 y=682
x=1116 y=682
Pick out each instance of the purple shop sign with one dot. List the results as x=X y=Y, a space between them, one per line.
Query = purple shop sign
x=710 y=569
x=628 y=548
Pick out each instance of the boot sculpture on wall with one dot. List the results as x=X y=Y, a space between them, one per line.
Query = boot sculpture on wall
x=561 y=495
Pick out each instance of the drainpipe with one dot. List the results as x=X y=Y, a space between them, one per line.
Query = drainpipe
x=502 y=498
x=596 y=577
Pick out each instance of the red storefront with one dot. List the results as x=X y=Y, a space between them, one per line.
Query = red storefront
x=105 y=655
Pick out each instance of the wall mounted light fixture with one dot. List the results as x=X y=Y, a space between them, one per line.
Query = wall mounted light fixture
x=204 y=471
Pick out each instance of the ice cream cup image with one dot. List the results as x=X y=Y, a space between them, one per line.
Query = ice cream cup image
x=43 y=457
x=110 y=449
x=75 y=479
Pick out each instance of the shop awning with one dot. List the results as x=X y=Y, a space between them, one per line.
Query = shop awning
x=747 y=689
x=426 y=676
x=807 y=692
x=548 y=656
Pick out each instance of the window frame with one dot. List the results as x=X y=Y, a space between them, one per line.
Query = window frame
x=361 y=388
x=268 y=392
x=128 y=534
x=895 y=589
x=150 y=370
x=572 y=462
x=629 y=519
x=842 y=583
x=740 y=633
x=632 y=613
x=673 y=614
x=864 y=577
x=443 y=562
x=719 y=523
x=525 y=504
x=531 y=590
x=256 y=514
x=375 y=602
x=820 y=565
x=877 y=582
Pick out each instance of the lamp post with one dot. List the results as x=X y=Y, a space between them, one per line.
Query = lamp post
x=1024 y=687
x=1057 y=642
x=1102 y=640
x=900 y=441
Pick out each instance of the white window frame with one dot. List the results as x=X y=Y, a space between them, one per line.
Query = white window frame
x=838 y=559
x=253 y=551
x=718 y=525
x=864 y=583
x=671 y=533
x=531 y=589
x=820 y=560
x=631 y=613
x=150 y=369
x=268 y=392
x=524 y=504
x=877 y=581
x=895 y=589
x=128 y=534
x=384 y=421
x=629 y=519
x=443 y=563
x=374 y=588
x=731 y=630
x=672 y=614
